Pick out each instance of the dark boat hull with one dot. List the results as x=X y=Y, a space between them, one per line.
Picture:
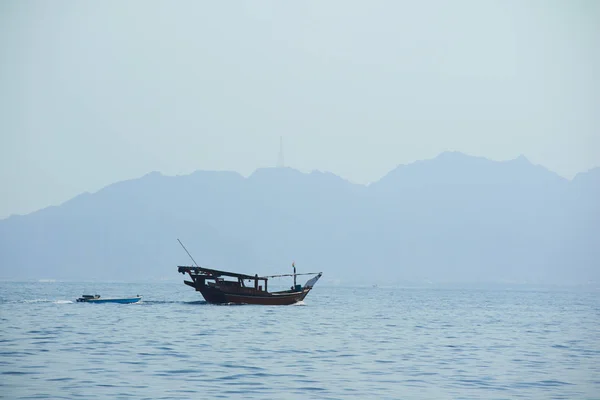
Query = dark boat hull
x=216 y=295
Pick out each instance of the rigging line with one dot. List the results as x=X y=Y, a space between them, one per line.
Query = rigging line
x=188 y=253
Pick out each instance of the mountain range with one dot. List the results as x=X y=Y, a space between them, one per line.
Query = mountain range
x=453 y=218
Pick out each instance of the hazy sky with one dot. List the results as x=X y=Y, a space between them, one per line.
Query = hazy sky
x=96 y=92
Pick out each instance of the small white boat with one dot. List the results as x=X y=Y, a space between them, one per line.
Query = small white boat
x=87 y=298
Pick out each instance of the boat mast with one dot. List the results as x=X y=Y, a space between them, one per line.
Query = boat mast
x=294 y=265
x=188 y=253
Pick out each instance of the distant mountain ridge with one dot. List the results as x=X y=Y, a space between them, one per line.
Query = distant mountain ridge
x=452 y=168
x=453 y=218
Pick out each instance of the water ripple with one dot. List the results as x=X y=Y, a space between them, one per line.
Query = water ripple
x=342 y=343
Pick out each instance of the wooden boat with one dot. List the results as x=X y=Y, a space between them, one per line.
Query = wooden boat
x=86 y=298
x=213 y=286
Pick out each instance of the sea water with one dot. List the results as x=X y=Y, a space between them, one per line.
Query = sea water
x=341 y=343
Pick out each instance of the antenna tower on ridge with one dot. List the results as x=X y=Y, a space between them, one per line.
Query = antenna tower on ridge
x=280 y=163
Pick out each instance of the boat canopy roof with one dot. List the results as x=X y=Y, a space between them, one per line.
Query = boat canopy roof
x=215 y=273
